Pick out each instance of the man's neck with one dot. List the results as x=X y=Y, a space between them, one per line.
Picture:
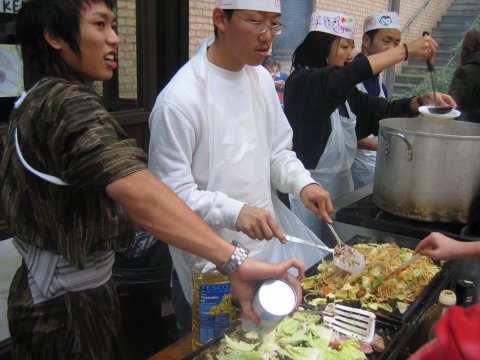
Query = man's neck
x=217 y=55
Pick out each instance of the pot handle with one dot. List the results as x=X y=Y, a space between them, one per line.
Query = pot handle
x=387 y=142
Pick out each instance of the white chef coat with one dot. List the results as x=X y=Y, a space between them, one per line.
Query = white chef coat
x=219 y=146
x=363 y=168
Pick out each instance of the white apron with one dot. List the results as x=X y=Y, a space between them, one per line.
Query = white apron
x=333 y=168
x=239 y=166
x=363 y=168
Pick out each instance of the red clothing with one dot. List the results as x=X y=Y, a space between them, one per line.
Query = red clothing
x=458 y=336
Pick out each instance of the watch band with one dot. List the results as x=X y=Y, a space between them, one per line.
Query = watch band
x=235 y=260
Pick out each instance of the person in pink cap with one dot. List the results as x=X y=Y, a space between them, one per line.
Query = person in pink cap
x=326 y=110
x=220 y=140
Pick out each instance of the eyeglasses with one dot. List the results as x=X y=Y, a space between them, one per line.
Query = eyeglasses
x=263 y=28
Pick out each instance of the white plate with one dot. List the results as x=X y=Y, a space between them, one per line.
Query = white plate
x=450 y=115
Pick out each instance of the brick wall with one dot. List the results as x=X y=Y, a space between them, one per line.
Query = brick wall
x=201 y=26
x=201 y=11
x=127 y=51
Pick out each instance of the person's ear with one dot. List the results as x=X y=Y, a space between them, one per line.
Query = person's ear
x=53 y=40
x=220 y=19
x=366 y=41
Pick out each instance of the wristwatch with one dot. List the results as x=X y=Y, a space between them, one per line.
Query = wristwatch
x=235 y=260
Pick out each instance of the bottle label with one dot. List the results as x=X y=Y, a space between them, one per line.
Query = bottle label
x=214 y=309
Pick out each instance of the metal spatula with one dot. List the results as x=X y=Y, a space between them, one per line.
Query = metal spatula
x=356 y=323
x=337 y=260
x=347 y=255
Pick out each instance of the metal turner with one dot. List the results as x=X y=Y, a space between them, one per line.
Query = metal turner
x=353 y=322
x=347 y=255
x=339 y=258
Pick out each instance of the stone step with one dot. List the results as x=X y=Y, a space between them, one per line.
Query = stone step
x=453 y=31
x=472 y=6
x=399 y=89
x=416 y=70
x=470 y=16
x=447 y=43
x=459 y=12
x=409 y=79
x=454 y=24
x=448 y=32
x=439 y=61
x=465 y=2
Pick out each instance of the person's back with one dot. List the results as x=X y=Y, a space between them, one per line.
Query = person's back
x=465 y=84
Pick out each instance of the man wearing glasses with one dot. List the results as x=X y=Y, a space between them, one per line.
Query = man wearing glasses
x=220 y=140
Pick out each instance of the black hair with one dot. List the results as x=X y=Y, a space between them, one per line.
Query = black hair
x=269 y=60
x=371 y=34
x=61 y=18
x=470 y=45
x=229 y=13
x=314 y=50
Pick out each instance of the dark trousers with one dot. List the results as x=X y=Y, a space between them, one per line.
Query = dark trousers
x=182 y=308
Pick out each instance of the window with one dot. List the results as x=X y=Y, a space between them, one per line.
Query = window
x=296 y=15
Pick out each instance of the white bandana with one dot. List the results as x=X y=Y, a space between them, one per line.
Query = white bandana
x=382 y=20
x=258 y=5
x=334 y=23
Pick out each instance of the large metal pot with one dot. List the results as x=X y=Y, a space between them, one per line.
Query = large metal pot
x=427 y=171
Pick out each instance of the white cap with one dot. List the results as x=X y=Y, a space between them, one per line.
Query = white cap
x=382 y=20
x=447 y=297
x=334 y=23
x=258 y=5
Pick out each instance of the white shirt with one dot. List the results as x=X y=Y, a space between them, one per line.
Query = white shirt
x=181 y=139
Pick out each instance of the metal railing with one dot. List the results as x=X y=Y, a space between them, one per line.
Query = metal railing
x=419 y=10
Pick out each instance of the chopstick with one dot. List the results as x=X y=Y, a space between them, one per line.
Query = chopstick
x=402 y=266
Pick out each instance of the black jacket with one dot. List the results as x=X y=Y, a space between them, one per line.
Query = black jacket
x=465 y=89
x=312 y=95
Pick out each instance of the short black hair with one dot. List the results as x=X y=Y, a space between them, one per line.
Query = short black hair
x=62 y=19
x=269 y=60
x=229 y=13
x=313 y=51
x=371 y=34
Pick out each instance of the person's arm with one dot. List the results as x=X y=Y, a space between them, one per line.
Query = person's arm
x=154 y=207
x=439 y=246
x=175 y=135
x=368 y=144
x=371 y=109
x=423 y=48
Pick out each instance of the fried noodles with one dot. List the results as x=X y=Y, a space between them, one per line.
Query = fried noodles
x=379 y=261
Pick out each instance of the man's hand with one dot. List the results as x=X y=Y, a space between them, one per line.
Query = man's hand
x=440 y=100
x=246 y=279
x=258 y=224
x=316 y=199
x=368 y=144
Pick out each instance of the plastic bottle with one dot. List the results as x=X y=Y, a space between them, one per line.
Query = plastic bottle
x=212 y=309
x=434 y=313
x=465 y=291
